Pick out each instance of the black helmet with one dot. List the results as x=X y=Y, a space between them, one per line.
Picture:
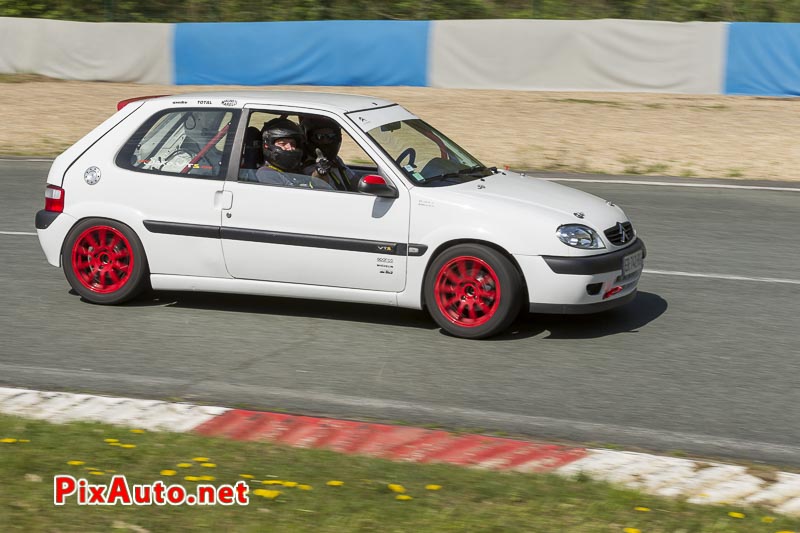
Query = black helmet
x=282 y=128
x=328 y=143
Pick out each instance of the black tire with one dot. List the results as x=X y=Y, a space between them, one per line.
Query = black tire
x=473 y=291
x=97 y=257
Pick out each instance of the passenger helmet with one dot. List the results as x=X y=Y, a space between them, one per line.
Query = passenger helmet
x=327 y=142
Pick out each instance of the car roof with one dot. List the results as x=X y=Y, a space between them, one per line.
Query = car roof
x=319 y=100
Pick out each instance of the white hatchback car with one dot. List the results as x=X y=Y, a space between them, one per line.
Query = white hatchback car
x=167 y=192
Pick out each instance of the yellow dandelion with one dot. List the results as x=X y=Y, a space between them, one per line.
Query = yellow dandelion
x=395 y=487
x=290 y=483
x=96 y=473
x=305 y=487
x=200 y=459
x=23 y=440
x=246 y=476
x=127 y=446
x=191 y=478
x=75 y=463
x=266 y=493
x=184 y=465
x=168 y=472
x=206 y=478
x=8 y=440
x=642 y=509
x=403 y=497
x=786 y=531
x=208 y=465
x=768 y=519
x=335 y=483
x=631 y=530
x=115 y=444
x=734 y=514
x=110 y=440
x=138 y=431
x=272 y=482
x=433 y=487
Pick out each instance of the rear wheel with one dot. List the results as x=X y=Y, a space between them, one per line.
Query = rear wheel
x=473 y=291
x=104 y=261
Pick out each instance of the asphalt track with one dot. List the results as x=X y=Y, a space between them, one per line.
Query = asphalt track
x=704 y=361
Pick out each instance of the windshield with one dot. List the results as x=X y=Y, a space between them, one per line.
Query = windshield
x=425 y=155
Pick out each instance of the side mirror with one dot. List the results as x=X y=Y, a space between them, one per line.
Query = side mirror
x=376 y=186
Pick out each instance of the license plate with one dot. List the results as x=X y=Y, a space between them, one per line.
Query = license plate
x=632 y=263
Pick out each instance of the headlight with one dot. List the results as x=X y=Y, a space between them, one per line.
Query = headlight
x=579 y=236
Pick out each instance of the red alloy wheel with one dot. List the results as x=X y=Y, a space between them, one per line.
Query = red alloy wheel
x=467 y=291
x=102 y=259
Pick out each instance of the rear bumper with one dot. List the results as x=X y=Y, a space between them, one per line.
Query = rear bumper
x=45 y=218
x=52 y=230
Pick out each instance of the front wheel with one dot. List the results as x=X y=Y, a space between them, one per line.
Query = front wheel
x=473 y=291
x=104 y=261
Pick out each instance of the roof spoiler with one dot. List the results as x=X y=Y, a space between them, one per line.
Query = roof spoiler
x=123 y=103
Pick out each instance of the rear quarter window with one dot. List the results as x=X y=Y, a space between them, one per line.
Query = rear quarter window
x=185 y=142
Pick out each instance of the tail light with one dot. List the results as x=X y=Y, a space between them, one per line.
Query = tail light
x=54 y=199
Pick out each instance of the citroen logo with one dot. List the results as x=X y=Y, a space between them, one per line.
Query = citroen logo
x=621 y=230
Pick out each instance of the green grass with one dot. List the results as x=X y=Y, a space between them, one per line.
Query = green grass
x=25 y=78
x=469 y=500
x=713 y=107
x=735 y=173
x=609 y=103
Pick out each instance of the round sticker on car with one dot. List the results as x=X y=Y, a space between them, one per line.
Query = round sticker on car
x=92 y=175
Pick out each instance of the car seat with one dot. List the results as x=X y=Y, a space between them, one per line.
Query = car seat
x=252 y=155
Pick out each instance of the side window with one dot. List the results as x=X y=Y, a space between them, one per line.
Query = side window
x=353 y=155
x=329 y=158
x=192 y=142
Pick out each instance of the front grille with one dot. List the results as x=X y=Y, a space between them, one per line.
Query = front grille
x=620 y=234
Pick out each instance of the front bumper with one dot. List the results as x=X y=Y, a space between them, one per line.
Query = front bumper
x=579 y=285
x=593 y=264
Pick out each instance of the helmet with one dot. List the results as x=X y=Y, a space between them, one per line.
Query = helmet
x=327 y=142
x=282 y=128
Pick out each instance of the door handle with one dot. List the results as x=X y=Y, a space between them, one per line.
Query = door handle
x=223 y=200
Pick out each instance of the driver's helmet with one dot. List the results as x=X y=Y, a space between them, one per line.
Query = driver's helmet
x=282 y=128
x=322 y=133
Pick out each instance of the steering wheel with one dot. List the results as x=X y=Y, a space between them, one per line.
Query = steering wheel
x=410 y=152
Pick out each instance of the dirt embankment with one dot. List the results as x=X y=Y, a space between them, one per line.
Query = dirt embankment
x=615 y=133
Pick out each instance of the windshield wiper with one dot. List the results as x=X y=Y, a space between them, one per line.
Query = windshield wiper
x=463 y=172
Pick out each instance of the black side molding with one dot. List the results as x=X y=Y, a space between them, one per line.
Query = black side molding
x=311 y=241
x=186 y=230
x=289 y=239
x=593 y=264
x=45 y=218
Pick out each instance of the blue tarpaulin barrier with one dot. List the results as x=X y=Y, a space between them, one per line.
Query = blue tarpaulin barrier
x=302 y=53
x=763 y=59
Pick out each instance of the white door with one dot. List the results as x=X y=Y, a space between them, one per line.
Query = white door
x=316 y=237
